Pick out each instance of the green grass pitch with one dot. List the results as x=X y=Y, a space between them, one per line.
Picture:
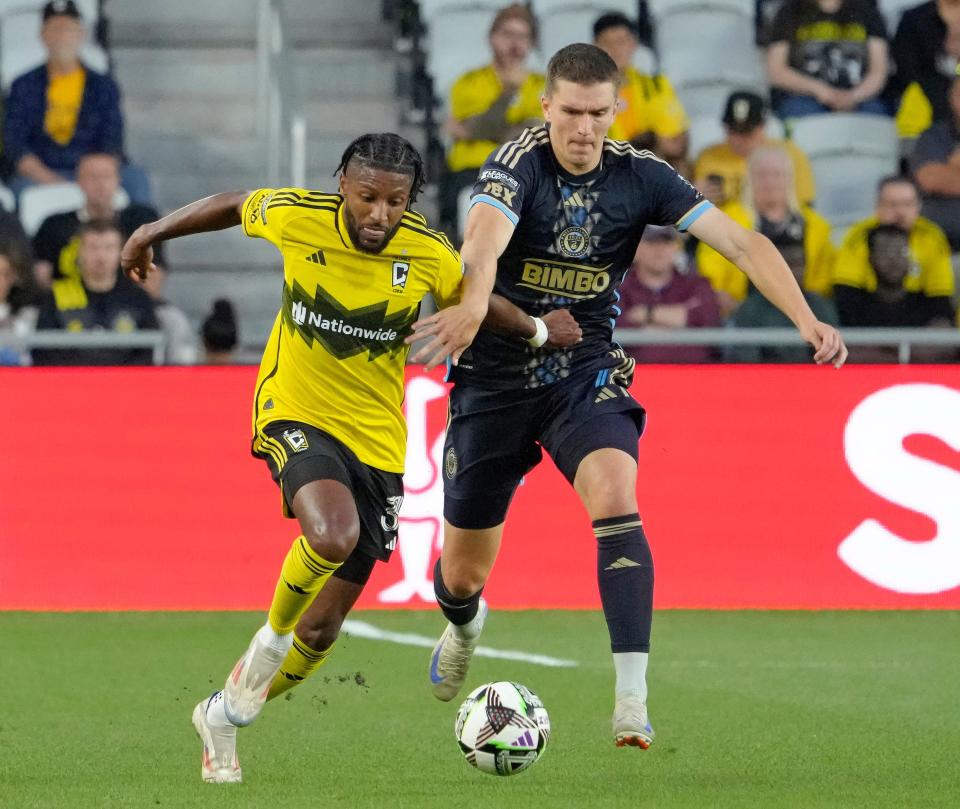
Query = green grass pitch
x=752 y=709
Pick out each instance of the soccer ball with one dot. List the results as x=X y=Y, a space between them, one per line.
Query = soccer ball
x=502 y=728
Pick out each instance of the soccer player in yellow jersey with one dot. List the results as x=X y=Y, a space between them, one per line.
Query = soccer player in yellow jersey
x=327 y=415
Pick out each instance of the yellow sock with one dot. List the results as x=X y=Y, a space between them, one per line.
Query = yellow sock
x=303 y=575
x=301 y=662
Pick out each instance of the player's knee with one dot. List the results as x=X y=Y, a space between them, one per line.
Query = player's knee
x=332 y=535
x=609 y=498
x=321 y=633
x=463 y=581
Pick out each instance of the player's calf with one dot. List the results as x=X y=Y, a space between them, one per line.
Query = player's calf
x=451 y=656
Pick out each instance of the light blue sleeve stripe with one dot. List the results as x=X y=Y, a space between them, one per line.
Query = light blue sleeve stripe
x=496 y=204
x=694 y=214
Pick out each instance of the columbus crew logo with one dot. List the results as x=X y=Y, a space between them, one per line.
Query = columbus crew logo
x=574 y=242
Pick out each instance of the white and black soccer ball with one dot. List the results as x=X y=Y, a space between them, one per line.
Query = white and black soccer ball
x=502 y=728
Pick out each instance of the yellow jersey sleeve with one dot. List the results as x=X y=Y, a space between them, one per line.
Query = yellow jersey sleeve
x=473 y=93
x=930 y=244
x=852 y=267
x=267 y=211
x=820 y=254
x=446 y=289
x=668 y=118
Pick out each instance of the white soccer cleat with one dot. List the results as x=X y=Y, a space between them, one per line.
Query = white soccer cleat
x=451 y=659
x=219 y=764
x=631 y=727
x=248 y=685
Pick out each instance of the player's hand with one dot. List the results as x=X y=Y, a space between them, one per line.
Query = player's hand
x=451 y=329
x=562 y=329
x=136 y=258
x=827 y=343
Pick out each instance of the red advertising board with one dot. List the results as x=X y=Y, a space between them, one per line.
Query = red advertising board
x=760 y=487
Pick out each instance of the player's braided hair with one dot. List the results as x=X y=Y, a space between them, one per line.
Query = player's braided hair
x=389 y=152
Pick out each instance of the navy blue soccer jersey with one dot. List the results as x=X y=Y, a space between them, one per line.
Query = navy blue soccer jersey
x=575 y=239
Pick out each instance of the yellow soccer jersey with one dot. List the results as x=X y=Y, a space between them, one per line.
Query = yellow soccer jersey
x=649 y=104
x=336 y=355
x=931 y=271
x=473 y=94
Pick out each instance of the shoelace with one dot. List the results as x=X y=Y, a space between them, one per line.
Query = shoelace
x=455 y=657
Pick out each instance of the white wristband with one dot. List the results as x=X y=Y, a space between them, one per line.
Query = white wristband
x=541 y=334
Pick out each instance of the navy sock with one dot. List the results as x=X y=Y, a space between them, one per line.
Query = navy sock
x=625 y=576
x=459 y=611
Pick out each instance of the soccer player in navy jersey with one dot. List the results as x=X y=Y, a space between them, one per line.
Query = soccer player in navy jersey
x=555 y=220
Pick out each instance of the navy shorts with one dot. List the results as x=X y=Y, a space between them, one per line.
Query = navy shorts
x=495 y=437
x=299 y=453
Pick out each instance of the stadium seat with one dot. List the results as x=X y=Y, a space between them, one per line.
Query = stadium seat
x=849 y=154
x=892 y=11
x=449 y=52
x=570 y=24
x=596 y=7
x=707 y=42
x=21 y=49
x=645 y=60
x=90 y=9
x=564 y=26
x=40 y=201
x=660 y=8
x=705 y=130
x=705 y=97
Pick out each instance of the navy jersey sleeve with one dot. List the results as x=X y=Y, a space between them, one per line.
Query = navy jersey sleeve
x=507 y=175
x=674 y=200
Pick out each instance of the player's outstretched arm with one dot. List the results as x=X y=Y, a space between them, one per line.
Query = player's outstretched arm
x=556 y=329
x=488 y=232
x=755 y=254
x=211 y=213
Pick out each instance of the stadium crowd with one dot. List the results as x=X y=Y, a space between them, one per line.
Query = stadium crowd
x=897 y=268
x=893 y=269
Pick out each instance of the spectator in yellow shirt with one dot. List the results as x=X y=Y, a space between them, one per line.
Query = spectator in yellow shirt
x=491 y=105
x=769 y=205
x=650 y=114
x=721 y=169
x=898 y=203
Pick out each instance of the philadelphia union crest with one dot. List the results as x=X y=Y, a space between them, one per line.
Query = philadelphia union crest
x=574 y=242
x=450 y=464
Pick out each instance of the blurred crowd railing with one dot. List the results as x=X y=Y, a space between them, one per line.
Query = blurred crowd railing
x=904 y=340
x=155 y=340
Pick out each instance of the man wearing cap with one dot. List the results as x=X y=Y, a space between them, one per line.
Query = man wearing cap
x=935 y=163
x=63 y=110
x=721 y=169
x=650 y=115
x=655 y=294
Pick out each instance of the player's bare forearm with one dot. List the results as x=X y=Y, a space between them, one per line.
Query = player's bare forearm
x=559 y=327
x=508 y=319
x=211 y=213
